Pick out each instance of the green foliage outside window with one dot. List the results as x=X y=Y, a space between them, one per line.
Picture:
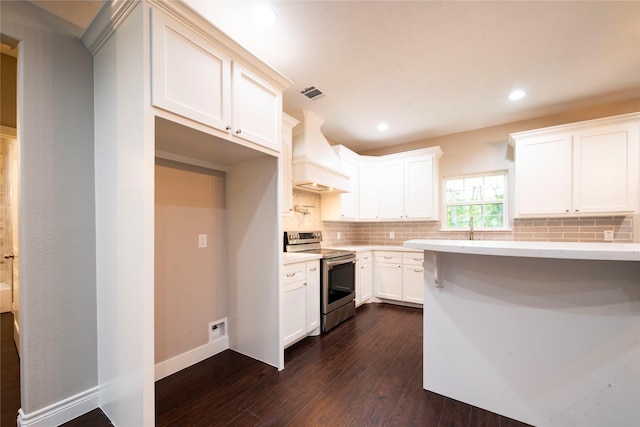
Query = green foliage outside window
x=479 y=197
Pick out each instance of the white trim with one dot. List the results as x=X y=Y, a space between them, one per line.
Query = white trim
x=62 y=411
x=190 y=161
x=191 y=357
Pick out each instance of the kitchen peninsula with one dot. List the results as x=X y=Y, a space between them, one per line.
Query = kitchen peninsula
x=545 y=332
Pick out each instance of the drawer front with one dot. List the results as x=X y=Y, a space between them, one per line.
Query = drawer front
x=388 y=257
x=365 y=257
x=412 y=258
x=292 y=273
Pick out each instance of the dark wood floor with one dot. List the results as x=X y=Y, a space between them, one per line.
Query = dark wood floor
x=9 y=373
x=366 y=372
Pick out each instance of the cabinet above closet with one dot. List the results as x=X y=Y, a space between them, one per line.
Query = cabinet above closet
x=196 y=77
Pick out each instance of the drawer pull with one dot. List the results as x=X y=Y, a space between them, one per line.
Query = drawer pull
x=290 y=274
x=418 y=270
x=388 y=257
x=312 y=269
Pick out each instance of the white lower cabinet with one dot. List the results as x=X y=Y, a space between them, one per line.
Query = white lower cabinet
x=300 y=301
x=399 y=276
x=413 y=278
x=313 y=296
x=388 y=275
x=364 y=277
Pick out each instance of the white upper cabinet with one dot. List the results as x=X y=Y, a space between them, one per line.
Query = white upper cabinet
x=400 y=186
x=193 y=77
x=391 y=189
x=288 y=123
x=605 y=169
x=257 y=108
x=543 y=175
x=409 y=183
x=587 y=168
x=421 y=187
x=368 y=184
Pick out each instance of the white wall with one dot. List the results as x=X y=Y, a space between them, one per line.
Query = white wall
x=57 y=232
x=190 y=281
x=124 y=162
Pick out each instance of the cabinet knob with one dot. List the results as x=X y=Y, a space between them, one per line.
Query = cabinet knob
x=239 y=131
x=228 y=128
x=305 y=283
x=566 y=210
x=577 y=210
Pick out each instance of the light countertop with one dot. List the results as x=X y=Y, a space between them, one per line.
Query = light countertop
x=293 y=257
x=558 y=250
x=365 y=248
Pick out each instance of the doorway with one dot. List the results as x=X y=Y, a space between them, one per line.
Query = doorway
x=9 y=259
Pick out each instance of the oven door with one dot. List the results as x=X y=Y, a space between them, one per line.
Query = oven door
x=338 y=282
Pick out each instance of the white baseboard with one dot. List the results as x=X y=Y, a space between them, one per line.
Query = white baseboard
x=61 y=412
x=184 y=360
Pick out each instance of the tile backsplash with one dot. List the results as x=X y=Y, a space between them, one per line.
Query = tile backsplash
x=587 y=229
x=582 y=229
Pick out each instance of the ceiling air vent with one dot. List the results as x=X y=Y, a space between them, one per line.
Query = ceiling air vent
x=312 y=93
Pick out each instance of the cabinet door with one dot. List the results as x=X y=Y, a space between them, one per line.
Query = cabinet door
x=543 y=175
x=257 y=108
x=190 y=76
x=349 y=201
x=294 y=312
x=366 y=281
x=413 y=283
x=419 y=189
x=288 y=123
x=605 y=169
x=391 y=199
x=368 y=190
x=364 y=277
x=313 y=295
x=388 y=281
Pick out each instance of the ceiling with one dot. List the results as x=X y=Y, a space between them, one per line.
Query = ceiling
x=431 y=68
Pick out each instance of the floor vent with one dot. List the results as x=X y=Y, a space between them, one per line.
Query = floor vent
x=312 y=92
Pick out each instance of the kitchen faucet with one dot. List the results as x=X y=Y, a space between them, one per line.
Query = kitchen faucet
x=470 y=228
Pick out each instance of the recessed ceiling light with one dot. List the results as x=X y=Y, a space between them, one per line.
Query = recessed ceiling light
x=382 y=127
x=517 y=94
x=264 y=16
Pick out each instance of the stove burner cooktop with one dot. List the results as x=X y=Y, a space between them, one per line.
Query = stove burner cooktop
x=309 y=242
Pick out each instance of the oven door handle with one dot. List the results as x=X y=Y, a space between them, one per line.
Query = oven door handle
x=330 y=264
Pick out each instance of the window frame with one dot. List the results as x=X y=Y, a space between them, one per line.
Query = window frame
x=505 y=202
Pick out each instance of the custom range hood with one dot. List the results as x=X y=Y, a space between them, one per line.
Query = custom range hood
x=316 y=166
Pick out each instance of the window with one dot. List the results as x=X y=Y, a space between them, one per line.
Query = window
x=481 y=197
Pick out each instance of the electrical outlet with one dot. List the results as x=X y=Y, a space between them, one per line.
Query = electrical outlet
x=392 y=235
x=216 y=330
x=608 y=235
x=202 y=241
